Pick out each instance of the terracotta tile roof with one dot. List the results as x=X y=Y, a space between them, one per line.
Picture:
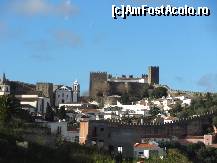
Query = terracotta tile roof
x=145 y=145
x=183 y=141
x=194 y=137
x=171 y=118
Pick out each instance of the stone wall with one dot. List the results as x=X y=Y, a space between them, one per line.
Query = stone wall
x=98 y=84
x=116 y=133
x=47 y=90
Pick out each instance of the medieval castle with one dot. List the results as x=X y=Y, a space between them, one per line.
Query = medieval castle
x=103 y=84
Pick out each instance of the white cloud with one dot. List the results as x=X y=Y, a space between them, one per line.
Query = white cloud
x=42 y=7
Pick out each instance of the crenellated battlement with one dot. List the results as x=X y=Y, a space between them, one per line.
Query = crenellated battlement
x=102 y=83
x=115 y=132
x=119 y=123
x=98 y=73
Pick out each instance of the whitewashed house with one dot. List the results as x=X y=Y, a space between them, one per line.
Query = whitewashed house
x=147 y=150
x=61 y=128
x=36 y=101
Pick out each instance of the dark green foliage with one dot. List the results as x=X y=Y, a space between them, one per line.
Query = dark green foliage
x=173 y=156
x=146 y=91
x=12 y=117
x=8 y=108
x=154 y=111
x=49 y=116
x=61 y=113
x=200 y=104
x=192 y=149
x=66 y=152
x=11 y=112
x=207 y=155
x=175 y=109
x=214 y=121
x=125 y=99
x=159 y=92
x=197 y=152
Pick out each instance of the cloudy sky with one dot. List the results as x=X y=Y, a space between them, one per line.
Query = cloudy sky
x=62 y=40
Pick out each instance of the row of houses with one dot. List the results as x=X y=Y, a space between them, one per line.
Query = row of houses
x=116 y=110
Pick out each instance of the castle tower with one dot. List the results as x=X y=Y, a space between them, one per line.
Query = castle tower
x=153 y=75
x=98 y=84
x=47 y=90
x=76 y=91
x=4 y=86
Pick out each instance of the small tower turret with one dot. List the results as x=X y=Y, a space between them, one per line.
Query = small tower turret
x=4 y=86
x=75 y=91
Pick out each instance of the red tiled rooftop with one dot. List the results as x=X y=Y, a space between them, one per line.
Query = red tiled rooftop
x=144 y=145
x=194 y=137
x=170 y=118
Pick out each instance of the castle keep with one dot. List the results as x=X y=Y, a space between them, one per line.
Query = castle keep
x=102 y=84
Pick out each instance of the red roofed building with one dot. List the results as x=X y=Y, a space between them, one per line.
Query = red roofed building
x=147 y=150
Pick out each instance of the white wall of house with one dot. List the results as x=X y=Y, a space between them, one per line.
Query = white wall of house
x=187 y=102
x=131 y=110
x=40 y=103
x=62 y=129
x=32 y=103
x=58 y=128
x=4 y=89
x=148 y=152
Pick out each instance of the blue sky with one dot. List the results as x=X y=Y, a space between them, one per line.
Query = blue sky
x=61 y=40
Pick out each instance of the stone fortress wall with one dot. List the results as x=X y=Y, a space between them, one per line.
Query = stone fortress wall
x=112 y=134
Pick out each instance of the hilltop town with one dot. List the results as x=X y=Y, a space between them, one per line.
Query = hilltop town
x=128 y=117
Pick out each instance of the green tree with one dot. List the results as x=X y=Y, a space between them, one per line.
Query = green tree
x=125 y=99
x=145 y=93
x=159 y=92
x=192 y=149
x=12 y=117
x=175 y=155
x=154 y=111
x=62 y=113
x=175 y=109
x=207 y=155
x=8 y=108
x=214 y=123
x=49 y=116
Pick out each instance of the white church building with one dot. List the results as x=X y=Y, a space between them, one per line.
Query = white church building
x=67 y=95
